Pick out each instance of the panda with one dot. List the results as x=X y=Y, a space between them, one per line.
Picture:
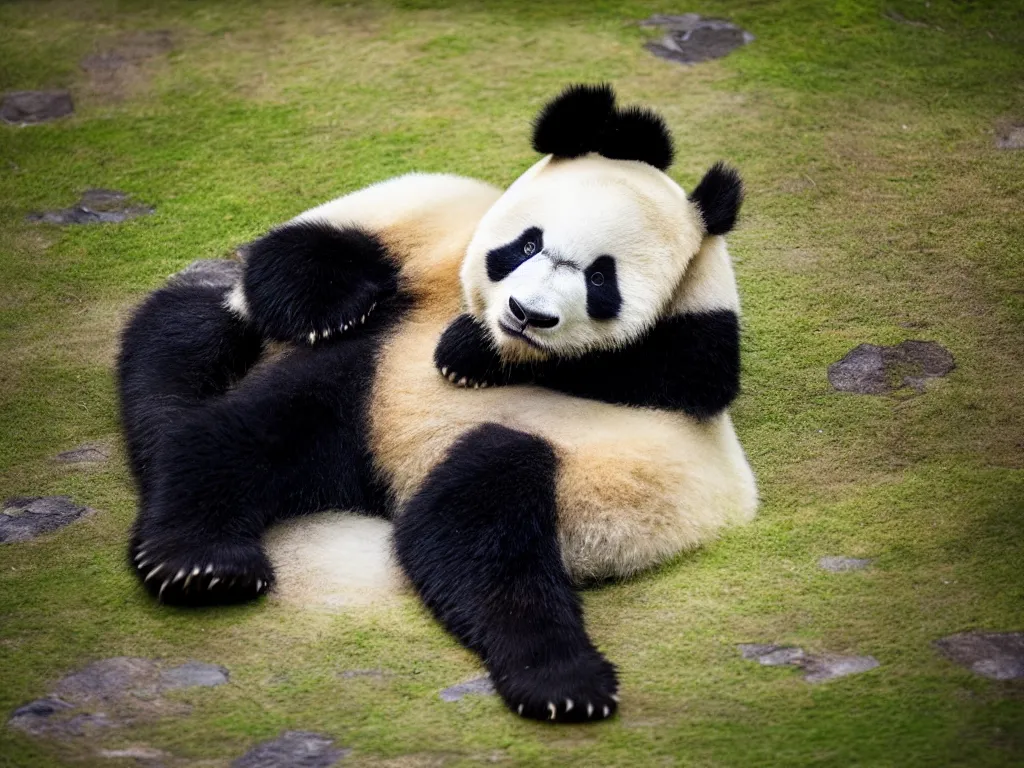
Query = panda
x=533 y=384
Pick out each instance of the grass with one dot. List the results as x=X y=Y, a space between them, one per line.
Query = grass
x=878 y=209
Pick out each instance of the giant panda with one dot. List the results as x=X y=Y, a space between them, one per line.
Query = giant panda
x=532 y=383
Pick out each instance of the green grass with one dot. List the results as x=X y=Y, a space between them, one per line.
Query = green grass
x=878 y=209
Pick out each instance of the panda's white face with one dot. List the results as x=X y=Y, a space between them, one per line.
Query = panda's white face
x=579 y=255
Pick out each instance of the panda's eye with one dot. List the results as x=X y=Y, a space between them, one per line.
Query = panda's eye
x=530 y=248
x=597 y=278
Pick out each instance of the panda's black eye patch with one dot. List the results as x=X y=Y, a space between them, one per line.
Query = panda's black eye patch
x=603 y=298
x=503 y=261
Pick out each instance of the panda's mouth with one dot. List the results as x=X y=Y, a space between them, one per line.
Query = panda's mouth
x=518 y=334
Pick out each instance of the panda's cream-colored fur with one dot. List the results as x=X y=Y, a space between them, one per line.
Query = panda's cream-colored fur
x=635 y=486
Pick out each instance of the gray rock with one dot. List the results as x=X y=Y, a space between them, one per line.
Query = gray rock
x=869 y=369
x=29 y=107
x=691 y=38
x=996 y=655
x=97 y=206
x=88 y=453
x=23 y=518
x=841 y=564
x=817 y=667
x=36 y=716
x=1010 y=137
x=293 y=749
x=214 y=273
x=194 y=673
x=480 y=686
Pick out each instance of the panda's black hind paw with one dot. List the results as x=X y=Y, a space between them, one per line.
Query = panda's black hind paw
x=309 y=282
x=577 y=690
x=207 y=574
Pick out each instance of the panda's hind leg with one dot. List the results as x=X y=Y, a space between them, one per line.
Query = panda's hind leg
x=480 y=543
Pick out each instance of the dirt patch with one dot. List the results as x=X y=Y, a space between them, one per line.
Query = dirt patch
x=1010 y=136
x=690 y=38
x=996 y=655
x=841 y=564
x=97 y=206
x=87 y=453
x=23 y=518
x=31 y=107
x=480 y=686
x=817 y=667
x=293 y=749
x=118 y=70
x=869 y=369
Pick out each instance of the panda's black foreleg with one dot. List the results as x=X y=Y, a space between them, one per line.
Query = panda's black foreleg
x=480 y=543
x=286 y=441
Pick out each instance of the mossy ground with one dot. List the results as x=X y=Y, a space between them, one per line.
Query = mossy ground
x=878 y=209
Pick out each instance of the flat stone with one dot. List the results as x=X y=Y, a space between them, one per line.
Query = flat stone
x=194 y=673
x=23 y=518
x=690 y=38
x=87 y=453
x=996 y=655
x=1010 y=137
x=480 y=686
x=30 y=107
x=869 y=369
x=817 y=667
x=110 y=693
x=97 y=206
x=214 y=273
x=293 y=749
x=841 y=564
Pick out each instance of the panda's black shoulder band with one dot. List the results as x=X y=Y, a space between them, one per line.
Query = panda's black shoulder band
x=584 y=119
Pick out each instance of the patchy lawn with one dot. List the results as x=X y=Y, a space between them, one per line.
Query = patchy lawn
x=880 y=208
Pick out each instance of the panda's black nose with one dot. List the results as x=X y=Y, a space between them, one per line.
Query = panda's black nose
x=531 y=317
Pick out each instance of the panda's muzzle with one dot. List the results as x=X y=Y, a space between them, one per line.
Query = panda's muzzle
x=529 y=317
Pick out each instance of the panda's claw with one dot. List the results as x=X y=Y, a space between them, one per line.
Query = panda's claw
x=590 y=709
x=154 y=572
x=462 y=381
x=213 y=582
x=312 y=337
x=209 y=569
x=520 y=709
x=444 y=370
x=568 y=706
x=178 y=576
x=552 y=710
x=606 y=711
x=160 y=594
x=141 y=554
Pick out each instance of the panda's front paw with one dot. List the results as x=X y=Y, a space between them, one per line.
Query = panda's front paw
x=466 y=356
x=193 y=572
x=580 y=689
x=309 y=282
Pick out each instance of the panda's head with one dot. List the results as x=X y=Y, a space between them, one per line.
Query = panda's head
x=586 y=249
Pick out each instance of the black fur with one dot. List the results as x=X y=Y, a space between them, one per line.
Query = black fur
x=503 y=261
x=584 y=118
x=480 y=543
x=688 y=362
x=719 y=196
x=216 y=464
x=603 y=298
x=313 y=277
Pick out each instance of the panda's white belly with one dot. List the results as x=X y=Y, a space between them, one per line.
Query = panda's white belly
x=635 y=486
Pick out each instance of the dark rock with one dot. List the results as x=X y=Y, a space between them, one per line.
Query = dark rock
x=194 y=673
x=88 y=453
x=480 y=686
x=28 y=107
x=869 y=369
x=215 y=273
x=840 y=564
x=817 y=667
x=1010 y=137
x=35 y=717
x=97 y=206
x=997 y=655
x=24 y=518
x=293 y=749
x=690 y=38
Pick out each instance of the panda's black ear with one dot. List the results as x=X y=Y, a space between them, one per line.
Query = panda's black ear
x=719 y=196
x=584 y=118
